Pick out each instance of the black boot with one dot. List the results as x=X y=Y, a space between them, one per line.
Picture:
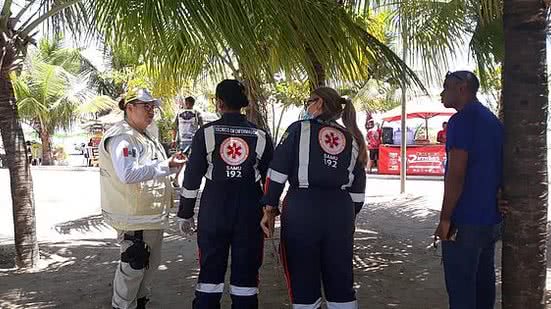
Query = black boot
x=141 y=303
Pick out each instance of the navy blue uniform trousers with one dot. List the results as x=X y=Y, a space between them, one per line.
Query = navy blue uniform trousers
x=229 y=218
x=317 y=233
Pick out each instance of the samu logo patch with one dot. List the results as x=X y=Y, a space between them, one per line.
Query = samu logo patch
x=331 y=140
x=234 y=151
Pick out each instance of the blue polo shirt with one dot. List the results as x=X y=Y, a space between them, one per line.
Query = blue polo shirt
x=478 y=131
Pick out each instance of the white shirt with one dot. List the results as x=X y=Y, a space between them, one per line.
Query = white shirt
x=125 y=158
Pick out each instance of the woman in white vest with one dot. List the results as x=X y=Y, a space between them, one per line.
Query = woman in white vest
x=136 y=194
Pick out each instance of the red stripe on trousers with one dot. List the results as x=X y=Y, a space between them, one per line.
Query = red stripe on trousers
x=266 y=184
x=283 y=253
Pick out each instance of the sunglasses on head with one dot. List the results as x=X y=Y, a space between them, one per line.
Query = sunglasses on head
x=455 y=75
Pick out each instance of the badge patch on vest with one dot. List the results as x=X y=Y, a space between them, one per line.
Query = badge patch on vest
x=126 y=152
x=331 y=140
x=234 y=150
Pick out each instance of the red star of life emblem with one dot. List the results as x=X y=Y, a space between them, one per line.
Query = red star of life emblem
x=234 y=150
x=332 y=140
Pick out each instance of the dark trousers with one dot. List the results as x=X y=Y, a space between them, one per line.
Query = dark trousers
x=229 y=220
x=316 y=246
x=469 y=266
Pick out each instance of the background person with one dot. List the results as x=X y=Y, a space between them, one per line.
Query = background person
x=441 y=136
x=374 y=139
x=188 y=120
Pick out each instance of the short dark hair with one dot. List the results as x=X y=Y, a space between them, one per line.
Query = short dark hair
x=468 y=77
x=190 y=100
x=233 y=93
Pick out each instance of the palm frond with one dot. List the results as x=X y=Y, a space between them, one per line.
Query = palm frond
x=53 y=96
x=96 y=104
x=56 y=16
x=487 y=42
x=264 y=37
x=436 y=29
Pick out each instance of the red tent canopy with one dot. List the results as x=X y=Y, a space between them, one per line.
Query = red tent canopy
x=419 y=109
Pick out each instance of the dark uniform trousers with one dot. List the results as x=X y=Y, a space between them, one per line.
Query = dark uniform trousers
x=319 y=159
x=229 y=221
x=317 y=238
x=233 y=155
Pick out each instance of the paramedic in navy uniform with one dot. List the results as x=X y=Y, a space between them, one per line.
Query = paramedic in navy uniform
x=325 y=166
x=233 y=155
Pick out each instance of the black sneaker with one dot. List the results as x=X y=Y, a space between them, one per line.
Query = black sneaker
x=141 y=303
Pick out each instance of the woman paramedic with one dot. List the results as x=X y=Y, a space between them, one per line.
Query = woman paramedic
x=233 y=155
x=324 y=163
x=136 y=194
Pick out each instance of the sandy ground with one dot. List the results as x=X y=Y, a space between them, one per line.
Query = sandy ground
x=395 y=265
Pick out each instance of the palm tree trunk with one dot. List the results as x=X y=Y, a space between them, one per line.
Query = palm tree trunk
x=319 y=78
x=26 y=245
x=47 y=157
x=525 y=110
x=256 y=112
x=276 y=130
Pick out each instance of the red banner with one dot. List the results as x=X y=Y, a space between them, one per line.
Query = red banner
x=421 y=160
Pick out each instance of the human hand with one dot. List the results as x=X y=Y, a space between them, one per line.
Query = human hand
x=268 y=221
x=502 y=204
x=186 y=226
x=443 y=230
x=177 y=160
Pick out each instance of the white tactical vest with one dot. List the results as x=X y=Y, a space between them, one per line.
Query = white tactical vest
x=139 y=206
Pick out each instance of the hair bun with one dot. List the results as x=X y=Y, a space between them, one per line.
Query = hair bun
x=122 y=104
x=243 y=95
x=244 y=101
x=233 y=93
x=344 y=101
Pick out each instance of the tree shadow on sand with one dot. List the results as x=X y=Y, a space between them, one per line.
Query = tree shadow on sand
x=395 y=265
x=86 y=224
x=79 y=273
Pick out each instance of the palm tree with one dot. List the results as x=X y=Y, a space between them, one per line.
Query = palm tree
x=436 y=30
x=50 y=96
x=16 y=33
x=525 y=98
x=182 y=39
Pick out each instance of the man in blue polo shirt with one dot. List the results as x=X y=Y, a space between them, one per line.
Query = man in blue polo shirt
x=470 y=221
